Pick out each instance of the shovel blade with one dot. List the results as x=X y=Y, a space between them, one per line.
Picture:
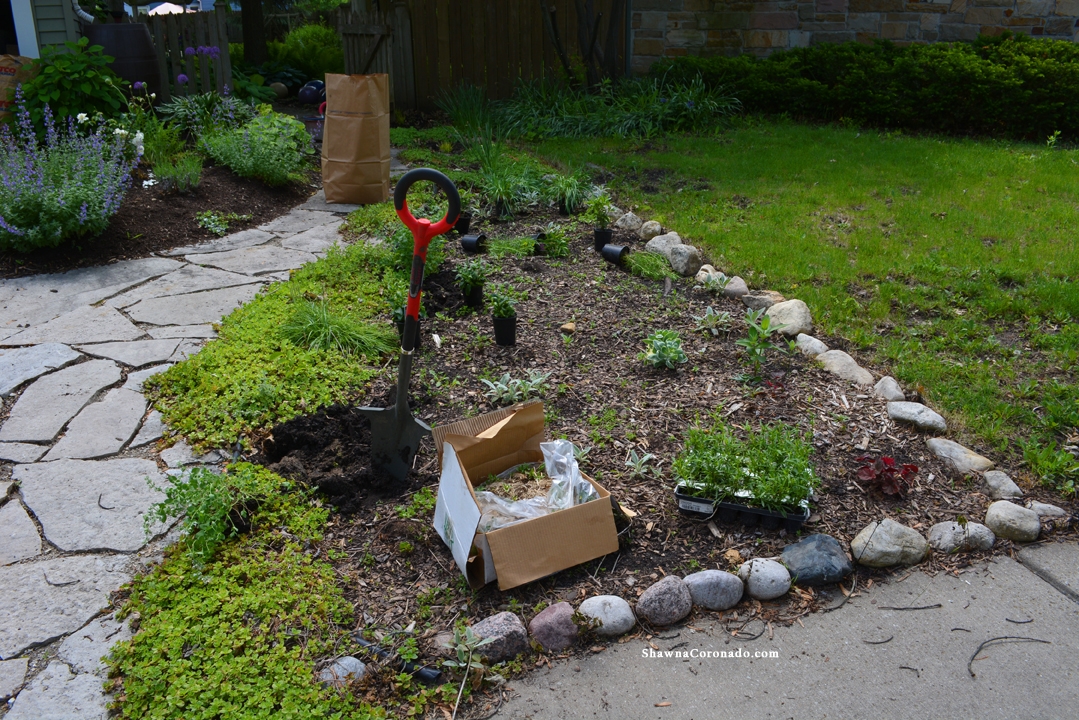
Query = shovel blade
x=394 y=440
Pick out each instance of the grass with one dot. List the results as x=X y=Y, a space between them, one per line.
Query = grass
x=649 y=265
x=315 y=327
x=948 y=263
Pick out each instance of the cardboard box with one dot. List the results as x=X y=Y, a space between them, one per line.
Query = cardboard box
x=473 y=449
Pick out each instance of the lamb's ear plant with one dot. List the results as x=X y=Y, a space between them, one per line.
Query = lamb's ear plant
x=465 y=644
x=713 y=322
x=716 y=282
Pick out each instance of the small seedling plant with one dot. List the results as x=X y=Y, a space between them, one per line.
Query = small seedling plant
x=503 y=305
x=598 y=212
x=758 y=340
x=465 y=645
x=507 y=390
x=638 y=464
x=218 y=223
x=886 y=475
x=663 y=348
x=472 y=274
x=713 y=322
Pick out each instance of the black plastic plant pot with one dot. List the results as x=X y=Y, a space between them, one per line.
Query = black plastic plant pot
x=505 y=330
x=735 y=513
x=474 y=296
x=601 y=237
x=474 y=244
x=463 y=221
x=614 y=254
x=401 y=334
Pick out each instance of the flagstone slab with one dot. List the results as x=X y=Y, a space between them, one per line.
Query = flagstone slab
x=152 y=429
x=92 y=504
x=48 y=599
x=299 y=221
x=22 y=364
x=21 y=453
x=317 y=202
x=182 y=331
x=18 y=534
x=235 y=241
x=135 y=353
x=101 y=428
x=195 y=308
x=255 y=260
x=51 y=401
x=83 y=649
x=59 y=694
x=316 y=240
x=135 y=379
x=188 y=279
x=81 y=326
x=186 y=349
x=12 y=674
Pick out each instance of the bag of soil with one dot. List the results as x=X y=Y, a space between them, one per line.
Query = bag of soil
x=356 y=139
x=13 y=71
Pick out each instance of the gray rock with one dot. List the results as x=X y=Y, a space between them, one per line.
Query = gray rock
x=344 y=670
x=510 y=636
x=22 y=364
x=685 y=260
x=614 y=615
x=959 y=457
x=665 y=602
x=707 y=271
x=92 y=505
x=1013 y=522
x=950 y=537
x=817 y=560
x=84 y=649
x=762 y=299
x=188 y=279
x=57 y=694
x=298 y=221
x=765 y=579
x=917 y=415
x=254 y=260
x=12 y=673
x=21 y=452
x=78 y=327
x=889 y=389
x=663 y=244
x=136 y=353
x=1044 y=510
x=316 y=240
x=887 y=543
x=628 y=223
x=843 y=365
x=810 y=346
x=736 y=288
x=236 y=241
x=714 y=589
x=181 y=454
x=135 y=380
x=200 y=307
x=38 y=611
x=553 y=627
x=649 y=230
x=318 y=201
x=47 y=405
x=182 y=331
x=1000 y=485
x=101 y=428
x=18 y=534
x=794 y=315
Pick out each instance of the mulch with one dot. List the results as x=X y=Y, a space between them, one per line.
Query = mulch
x=596 y=371
x=150 y=221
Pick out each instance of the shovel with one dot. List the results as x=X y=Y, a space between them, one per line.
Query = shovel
x=395 y=434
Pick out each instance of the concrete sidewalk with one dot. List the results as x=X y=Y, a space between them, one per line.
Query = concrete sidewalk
x=830 y=669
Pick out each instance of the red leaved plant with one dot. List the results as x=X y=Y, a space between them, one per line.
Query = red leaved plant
x=886 y=475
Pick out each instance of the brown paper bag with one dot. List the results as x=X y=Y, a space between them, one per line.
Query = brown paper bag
x=13 y=70
x=356 y=139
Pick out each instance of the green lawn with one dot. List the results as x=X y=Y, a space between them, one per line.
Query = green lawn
x=948 y=263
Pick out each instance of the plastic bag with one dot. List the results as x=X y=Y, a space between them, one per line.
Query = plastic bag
x=497 y=512
x=568 y=488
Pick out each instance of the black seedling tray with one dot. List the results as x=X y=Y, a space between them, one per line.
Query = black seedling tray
x=730 y=513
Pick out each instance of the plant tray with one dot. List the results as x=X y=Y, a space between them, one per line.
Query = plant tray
x=730 y=513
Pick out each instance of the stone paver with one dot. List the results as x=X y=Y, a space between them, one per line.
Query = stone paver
x=80 y=326
x=181 y=454
x=135 y=379
x=21 y=452
x=58 y=694
x=12 y=673
x=136 y=353
x=48 y=599
x=188 y=279
x=299 y=221
x=317 y=202
x=152 y=429
x=103 y=427
x=92 y=505
x=83 y=649
x=193 y=309
x=235 y=241
x=5 y=488
x=254 y=260
x=22 y=364
x=18 y=535
x=47 y=405
x=186 y=349
x=316 y=240
x=183 y=331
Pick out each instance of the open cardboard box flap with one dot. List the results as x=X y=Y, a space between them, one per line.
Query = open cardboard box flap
x=470 y=451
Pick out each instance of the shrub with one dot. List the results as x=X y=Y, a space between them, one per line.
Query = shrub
x=66 y=188
x=314 y=49
x=272 y=148
x=72 y=81
x=196 y=113
x=182 y=172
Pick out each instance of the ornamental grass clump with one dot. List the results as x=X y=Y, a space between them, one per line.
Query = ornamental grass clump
x=64 y=188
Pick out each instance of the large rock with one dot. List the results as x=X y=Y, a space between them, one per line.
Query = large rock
x=103 y=427
x=12 y=673
x=614 y=615
x=666 y=602
x=208 y=306
x=736 y=288
x=685 y=260
x=22 y=364
x=628 y=223
x=714 y=589
x=762 y=299
x=59 y=694
x=92 y=504
x=48 y=599
x=1013 y=522
x=47 y=405
x=1045 y=510
x=188 y=279
x=136 y=353
x=136 y=379
x=509 y=633
x=889 y=389
x=18 y=534
x=810 y=346
x=553 y=628
x=917 y=415
x=950 y=537
x=765 y=579
x=959 y=457
x=1000 y=485
x=664 y=244
x=649 y=230
x=793 y=315
x=343 y=671
x=843 y=365
x=79 y=327
x=817 y=560
x=887 y=543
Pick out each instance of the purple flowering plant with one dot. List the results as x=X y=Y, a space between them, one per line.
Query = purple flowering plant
x=64 y=187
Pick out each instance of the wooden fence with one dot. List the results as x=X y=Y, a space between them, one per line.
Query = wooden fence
x=173 y=34
x=376 y=42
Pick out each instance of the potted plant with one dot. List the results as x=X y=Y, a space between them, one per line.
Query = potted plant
x=599 y=214
x=504 y=317
x=470 y=278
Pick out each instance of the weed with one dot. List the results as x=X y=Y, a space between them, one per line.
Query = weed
x=423 y=502
x=405 y=547
x=511 y=247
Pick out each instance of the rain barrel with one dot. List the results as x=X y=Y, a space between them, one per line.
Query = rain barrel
x=130 y=45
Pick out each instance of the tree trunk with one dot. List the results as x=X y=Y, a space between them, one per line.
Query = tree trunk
x=254 y=28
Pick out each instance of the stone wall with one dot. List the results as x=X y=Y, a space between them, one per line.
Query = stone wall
x=669 y=28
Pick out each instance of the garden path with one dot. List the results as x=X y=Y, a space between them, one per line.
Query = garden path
x=78 y=438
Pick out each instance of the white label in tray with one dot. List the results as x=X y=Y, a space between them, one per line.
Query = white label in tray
x=700 y=507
